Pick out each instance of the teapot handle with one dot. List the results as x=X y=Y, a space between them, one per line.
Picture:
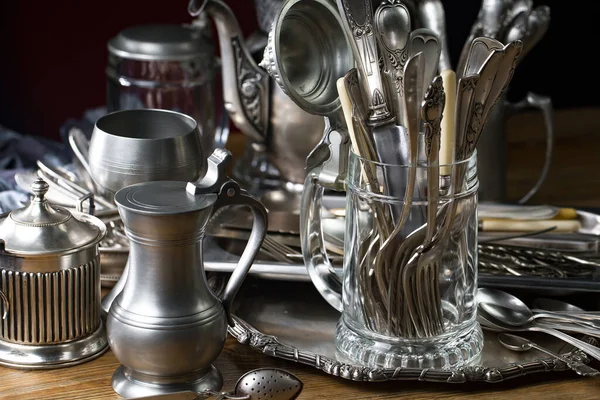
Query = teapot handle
x=232 y=194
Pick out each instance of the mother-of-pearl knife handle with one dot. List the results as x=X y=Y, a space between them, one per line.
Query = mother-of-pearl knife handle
x=357 y=18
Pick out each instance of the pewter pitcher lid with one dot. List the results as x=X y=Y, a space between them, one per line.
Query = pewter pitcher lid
x=41 y=228
x=162 y=197
x=162 y=42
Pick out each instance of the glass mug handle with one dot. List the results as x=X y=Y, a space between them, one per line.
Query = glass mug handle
x=319 y=268
x=544 y=105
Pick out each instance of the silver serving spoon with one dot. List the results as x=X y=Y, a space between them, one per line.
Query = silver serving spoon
x=560 y=309
x=505 y=318
x=553 y=305
x=499 y=304
x=518 y=343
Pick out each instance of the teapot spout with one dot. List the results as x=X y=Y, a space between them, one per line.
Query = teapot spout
x=245 y=85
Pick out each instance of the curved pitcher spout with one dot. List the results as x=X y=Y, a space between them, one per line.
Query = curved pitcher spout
x=245 y=85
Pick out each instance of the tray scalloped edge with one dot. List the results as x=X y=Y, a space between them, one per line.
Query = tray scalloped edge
x=271 y=346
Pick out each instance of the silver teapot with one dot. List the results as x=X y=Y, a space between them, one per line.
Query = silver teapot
x=166 y=327
x=272 y=122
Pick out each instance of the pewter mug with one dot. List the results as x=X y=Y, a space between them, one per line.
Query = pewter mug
x=166 y=327
x=134 y=146
x=492 y=161
x=166 y=66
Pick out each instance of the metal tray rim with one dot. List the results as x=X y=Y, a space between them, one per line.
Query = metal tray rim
x=270 y=345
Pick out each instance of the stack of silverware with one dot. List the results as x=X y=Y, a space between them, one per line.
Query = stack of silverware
x=412 y=114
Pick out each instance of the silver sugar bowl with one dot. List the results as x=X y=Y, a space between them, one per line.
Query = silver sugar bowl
x=50 y=285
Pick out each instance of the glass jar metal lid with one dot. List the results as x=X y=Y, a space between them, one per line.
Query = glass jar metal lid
x=160 y=42
x=40 y=228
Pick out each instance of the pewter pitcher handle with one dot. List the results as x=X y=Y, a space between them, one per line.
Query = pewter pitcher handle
x=544 y=105
x=231 y=194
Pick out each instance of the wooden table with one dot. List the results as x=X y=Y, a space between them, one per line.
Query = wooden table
x=92 y=381
x=572 y=181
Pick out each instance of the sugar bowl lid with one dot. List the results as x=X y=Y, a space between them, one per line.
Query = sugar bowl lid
x=160 y=42
x=162 y=198
x=40 y=228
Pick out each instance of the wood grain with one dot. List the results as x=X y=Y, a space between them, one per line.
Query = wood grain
x=573 y=178
x=92 y=381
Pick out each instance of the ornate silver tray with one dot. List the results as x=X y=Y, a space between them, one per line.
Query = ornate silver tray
x=290 y=320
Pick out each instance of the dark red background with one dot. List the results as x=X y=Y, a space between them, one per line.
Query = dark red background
x=53 y=53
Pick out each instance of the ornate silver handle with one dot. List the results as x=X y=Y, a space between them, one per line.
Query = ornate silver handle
x=544 y=105
x=357 y=17
x=245 y=85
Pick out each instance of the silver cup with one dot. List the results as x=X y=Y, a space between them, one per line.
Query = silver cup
x=134 y=146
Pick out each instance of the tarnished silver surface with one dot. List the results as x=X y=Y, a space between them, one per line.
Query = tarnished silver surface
x=307 y=52
x=166 y=309
x=50 y=285
x=257 y=107
x=133 y=146
x=294 y=323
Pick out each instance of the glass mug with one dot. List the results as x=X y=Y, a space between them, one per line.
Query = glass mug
x=407 y=295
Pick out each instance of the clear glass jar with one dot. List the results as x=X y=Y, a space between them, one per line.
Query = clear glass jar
x=409 y=294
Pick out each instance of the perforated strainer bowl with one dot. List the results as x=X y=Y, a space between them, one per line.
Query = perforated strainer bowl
x=269 y=384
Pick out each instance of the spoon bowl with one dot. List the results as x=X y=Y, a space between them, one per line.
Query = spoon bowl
x=502 y=306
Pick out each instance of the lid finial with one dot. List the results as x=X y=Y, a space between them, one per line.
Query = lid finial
x=39 y=188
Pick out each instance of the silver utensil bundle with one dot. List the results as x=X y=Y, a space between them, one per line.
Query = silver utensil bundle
x=502 y=312
x=403 y=111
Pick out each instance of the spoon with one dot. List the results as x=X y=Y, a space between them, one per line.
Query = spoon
x=499 y=324
x=518 y=343
x=511 y=310
x=565 y=310
x=553 y=305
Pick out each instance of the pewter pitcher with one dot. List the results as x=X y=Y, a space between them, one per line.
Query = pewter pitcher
x=166 y=327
